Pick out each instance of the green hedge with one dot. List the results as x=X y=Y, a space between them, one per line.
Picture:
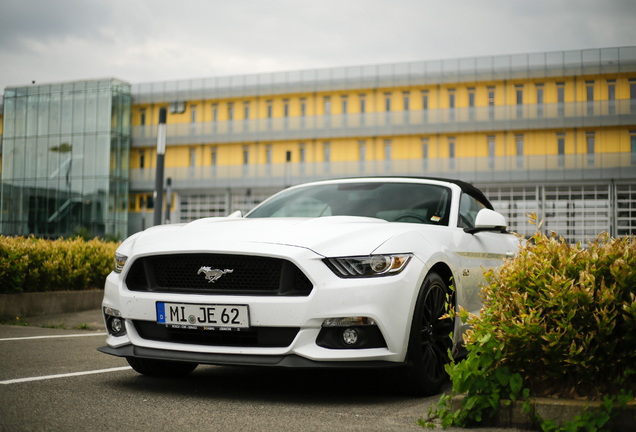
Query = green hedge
x=37 y=265
x=558 y=321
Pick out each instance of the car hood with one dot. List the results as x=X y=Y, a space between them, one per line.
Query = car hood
x=326 y=236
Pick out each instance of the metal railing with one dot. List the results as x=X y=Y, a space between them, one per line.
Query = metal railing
x=474 y=169
x=510 y=117
x=471 y=69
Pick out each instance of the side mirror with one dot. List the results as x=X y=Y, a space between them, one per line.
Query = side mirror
x=488 y=220
x=236 y=215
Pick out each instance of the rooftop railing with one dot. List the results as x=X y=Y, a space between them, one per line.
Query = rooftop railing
x=511 y=117
x=471 y=69
x=498 y=169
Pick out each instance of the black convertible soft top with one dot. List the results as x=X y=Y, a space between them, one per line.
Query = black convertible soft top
x=467 y=188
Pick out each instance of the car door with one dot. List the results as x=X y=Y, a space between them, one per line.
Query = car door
x=478 y=252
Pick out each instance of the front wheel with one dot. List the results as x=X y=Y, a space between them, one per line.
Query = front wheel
x=161 y=368
x=430 y=337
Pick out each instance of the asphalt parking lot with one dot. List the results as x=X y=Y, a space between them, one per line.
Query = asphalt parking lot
x=54 y=379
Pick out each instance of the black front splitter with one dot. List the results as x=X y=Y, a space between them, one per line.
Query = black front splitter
x=292 y=360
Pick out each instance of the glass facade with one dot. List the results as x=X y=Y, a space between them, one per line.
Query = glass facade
x=65 y=159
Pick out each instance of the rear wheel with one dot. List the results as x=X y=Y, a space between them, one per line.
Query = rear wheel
x=430 y=337
x=160 y=368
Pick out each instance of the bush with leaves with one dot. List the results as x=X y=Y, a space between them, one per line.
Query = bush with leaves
x=558 y=321
x=35 y=265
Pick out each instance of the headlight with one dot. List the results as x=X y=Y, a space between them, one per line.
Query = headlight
x=368 y=266
x=120 y=260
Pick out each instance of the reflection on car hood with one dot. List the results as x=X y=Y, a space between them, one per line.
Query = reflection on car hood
x=327 y=236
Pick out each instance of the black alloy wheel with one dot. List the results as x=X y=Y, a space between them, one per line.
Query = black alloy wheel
x=430 y=338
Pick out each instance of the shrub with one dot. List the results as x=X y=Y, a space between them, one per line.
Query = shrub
x=565 y=315
x=36 y=265
x=557 y=321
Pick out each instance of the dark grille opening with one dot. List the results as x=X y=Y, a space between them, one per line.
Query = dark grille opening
x=270 y=337
x=247 y=275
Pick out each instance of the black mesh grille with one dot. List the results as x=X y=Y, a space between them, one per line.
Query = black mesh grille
x=270 y=337
x=242 y=274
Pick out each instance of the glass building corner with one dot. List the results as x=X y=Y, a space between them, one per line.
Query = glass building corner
x=65 y=159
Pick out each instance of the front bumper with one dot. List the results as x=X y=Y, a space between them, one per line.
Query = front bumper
x=389 y=301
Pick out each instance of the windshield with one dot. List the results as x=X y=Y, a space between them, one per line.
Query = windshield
x=393 y=202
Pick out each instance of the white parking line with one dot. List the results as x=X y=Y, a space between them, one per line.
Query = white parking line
x=72 y=374
x=53 y=336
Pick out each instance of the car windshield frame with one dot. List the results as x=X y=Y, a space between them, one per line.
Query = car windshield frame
x=415 y=202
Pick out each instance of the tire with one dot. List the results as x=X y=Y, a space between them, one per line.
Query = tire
x=161 y=368
x=430 y=338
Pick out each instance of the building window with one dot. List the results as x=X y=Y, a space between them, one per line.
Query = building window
x=471 y=103
x=632 y=95
x=451 y=104
x=142 y=113
x=387 y=155
x=425 y=105
x=425 y=153
x=215 y=113
x=539 y=100
x=230 y=112
x=632 y=139
x=611 y=96
x=193 y=114
x=363 y=104
x=268 y=155
x=491 y=103
x=269 y=109
x=451 y=153
x=491 y=151
x=491 y=97
x=519 y=142
x=286 y=108
x=589 y=87
x=327 y=106
x=214 y=156
x=519 y=97
x=344 y=105
x=406 y=98
x=303 y=108
x=561 y=149
x=193 y=158
x=326 y=152
x=303 y=153
x=561 y=99
x=590 y=140
x=387 y=102
x=362 y=151
x=142 y=159
x=246 y=155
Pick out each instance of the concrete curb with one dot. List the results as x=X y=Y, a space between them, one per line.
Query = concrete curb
x=49 y=303
x=559 y=411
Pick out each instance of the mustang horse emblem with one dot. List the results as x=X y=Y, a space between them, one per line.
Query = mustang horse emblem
x=213 y=275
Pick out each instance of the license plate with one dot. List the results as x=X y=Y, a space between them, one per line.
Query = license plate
x=206 y=316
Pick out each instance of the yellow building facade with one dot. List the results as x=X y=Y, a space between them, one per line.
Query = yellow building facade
x=553 y=133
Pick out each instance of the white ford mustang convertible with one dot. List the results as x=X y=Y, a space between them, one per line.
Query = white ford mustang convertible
x=340 y=273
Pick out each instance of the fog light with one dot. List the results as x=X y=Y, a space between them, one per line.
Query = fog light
x=350 y=336
x=116 y=325
x=114 y=322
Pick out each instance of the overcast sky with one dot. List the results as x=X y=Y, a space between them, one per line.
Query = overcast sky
x=159 y=40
